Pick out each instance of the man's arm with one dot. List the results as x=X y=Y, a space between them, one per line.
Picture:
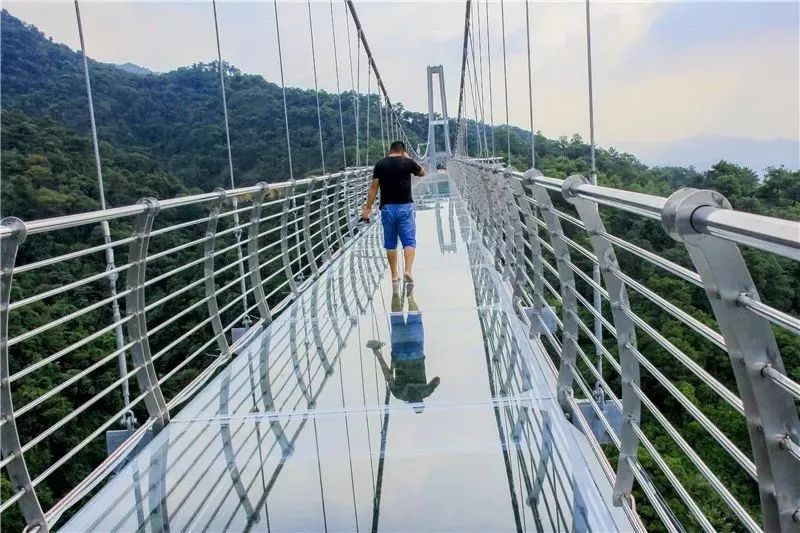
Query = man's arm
x=371 y=195
x=420 y=170
x=387 y=372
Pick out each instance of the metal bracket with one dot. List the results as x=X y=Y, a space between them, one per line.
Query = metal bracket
x=17 y=468
x=337 y=227
x=770 y=411
x=137 y=324
x=287 y=260
x=566 y=282
x=324 y=222
x=307 y=227
x=208 y=272
x=252 y=254
x=626 y=334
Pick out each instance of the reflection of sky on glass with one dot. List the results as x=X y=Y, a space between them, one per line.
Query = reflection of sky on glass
x=663 y=71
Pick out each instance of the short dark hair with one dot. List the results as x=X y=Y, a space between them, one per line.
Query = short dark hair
x=397 y=146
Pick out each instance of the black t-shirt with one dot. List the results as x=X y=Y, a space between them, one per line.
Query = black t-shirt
x=394 y=177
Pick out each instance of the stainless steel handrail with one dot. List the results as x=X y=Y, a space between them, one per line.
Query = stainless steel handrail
x=690 y=216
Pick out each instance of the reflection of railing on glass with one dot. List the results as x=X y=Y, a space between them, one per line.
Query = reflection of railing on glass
x=176 y=262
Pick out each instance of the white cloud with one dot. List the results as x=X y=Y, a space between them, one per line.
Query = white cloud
x=734 y=86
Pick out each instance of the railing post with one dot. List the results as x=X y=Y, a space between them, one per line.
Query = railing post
x=566 y=283
x=529 y=218
x=770 y=411
x=517 y=269
x=135 y=302
x=350 y=199
x=337 y=227
x=17 y=469
x=208 y=271
x=307 y=228
x=324 y=215
x=252 y=255
x=287 y=260
x=626 y=333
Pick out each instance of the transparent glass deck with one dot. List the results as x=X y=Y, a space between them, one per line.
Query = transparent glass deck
x=301 y=433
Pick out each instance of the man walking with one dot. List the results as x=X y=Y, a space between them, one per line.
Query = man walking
x=392 y=176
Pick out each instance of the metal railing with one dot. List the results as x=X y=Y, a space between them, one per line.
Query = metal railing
x=223 y=280
x=547 y=234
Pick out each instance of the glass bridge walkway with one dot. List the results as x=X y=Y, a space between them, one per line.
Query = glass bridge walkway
x=360 y=408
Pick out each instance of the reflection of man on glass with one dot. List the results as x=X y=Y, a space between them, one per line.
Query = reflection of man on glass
x=406 y=377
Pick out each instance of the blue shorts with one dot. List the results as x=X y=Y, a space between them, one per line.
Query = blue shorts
x=408 y=336
x=398 y=222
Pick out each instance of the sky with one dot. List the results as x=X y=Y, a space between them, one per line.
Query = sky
x=663 y=72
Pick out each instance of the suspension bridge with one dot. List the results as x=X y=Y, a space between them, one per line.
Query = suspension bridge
x=252 y=332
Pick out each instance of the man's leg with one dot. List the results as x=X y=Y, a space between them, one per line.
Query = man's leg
x=391 y=257
x=408 y=237
x=390 y=229
x=408 y=258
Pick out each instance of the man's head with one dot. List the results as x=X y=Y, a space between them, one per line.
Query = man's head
x=397 y=147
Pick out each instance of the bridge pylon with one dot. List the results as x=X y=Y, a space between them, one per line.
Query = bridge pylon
x=433 y=121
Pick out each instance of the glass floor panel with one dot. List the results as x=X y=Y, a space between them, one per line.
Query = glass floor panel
x=360 y=408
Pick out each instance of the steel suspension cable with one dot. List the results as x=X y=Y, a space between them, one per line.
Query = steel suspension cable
x=357 y=96
x=505 y=77
x=122 y=364
x=338 y=87
x=597 y=301
x=489 y=68
x=477 y=102
x=369 y=88
x=593 y=174
x=380 y=118
x=530 y=81
x=482 y=91
x=283 y=89
x=234 y=199
x=316 y=85
x=461 y=93
x=472 y=91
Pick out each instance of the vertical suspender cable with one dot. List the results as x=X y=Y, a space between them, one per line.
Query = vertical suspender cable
x=362 y=41
x=352 y=78
x=505 y=77
x=476 y=97
x=530 y=81
x=597 y=302
x=380 y=118
x=461 y=141
x=122 y=365
x=316 y=88
x=593 y=175
x=234 y=200
x=489 y=66
x=338 y=87
x=369 y=88
x=482 y=91
x=283 y=89
x=357 y=95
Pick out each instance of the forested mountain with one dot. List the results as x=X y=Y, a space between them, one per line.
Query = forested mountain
x=162 y=135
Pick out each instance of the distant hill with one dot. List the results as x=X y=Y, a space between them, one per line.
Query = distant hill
x=704 y=151
x=134 y=69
